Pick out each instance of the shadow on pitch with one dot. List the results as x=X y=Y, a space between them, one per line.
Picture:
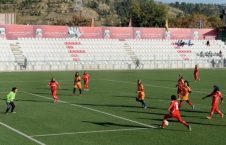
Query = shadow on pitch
x=189 y=122
x=34 y=101
x=151 y=113
x=110 y=124
x=195 y=111
x=111 y=105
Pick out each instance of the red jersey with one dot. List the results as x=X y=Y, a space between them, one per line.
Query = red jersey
x=180 y=84
x=53 y=85
x=196 y=70
x=173 y=107
x=85 y=77
x=216 y=96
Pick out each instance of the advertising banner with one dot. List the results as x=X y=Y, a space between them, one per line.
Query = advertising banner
x=46 y=31
x=148 y=33
x=15 y=31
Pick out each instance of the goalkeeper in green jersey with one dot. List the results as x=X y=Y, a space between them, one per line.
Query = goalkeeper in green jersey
x=10 y=100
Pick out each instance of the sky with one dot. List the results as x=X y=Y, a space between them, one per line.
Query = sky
x=196 y=1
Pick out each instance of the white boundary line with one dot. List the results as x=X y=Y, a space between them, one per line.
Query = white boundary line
x=198 y=91
x=95 y=110
x=21 y=133
x=87 y=132
x=151 y=85
x=3 y=92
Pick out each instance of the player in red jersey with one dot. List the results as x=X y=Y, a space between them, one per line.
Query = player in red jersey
x=196 y=73
x=86 y=79
x=54 y=86
x=180 y=84
x=216 y=94
x=174 y=113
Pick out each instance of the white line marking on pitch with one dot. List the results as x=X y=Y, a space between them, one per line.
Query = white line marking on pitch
x=117 y=81
x=3 y=92
x=87 y=108
x=21 y=133
x=87 y=132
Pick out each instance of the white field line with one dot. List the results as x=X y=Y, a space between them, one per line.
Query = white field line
x=87 y=132
x=21 y=133
x=94 y=110
x=197 y=91
x=151 y=85
x=3 y=92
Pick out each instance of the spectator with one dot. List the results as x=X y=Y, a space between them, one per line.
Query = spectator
x=220 y=54
x=137 y=64
x=190 y=43
x=224 y=62
x=25 y=63
x=213 y=63
x=201 y=54
x=208 y=43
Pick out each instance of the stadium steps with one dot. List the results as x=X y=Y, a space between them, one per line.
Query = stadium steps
x=18 y=54
x=130 y=52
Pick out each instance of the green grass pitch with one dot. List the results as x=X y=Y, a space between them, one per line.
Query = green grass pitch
x=108 y=114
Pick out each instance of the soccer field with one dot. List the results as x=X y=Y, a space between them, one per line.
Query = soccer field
x=108 y=114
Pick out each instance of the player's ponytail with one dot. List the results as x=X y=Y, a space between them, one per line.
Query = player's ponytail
x=187 y=83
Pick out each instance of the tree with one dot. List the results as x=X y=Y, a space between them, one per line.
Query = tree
x=146 y=13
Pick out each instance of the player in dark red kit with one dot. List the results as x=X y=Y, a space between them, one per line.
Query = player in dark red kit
x=196 y=73
x=174 y=113
x=86 y=79
x=216 y=94
x=54 y=86
x=180 y=84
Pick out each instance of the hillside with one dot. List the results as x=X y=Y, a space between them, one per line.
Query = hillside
x=144 y=13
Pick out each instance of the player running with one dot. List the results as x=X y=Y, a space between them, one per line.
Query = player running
x=140 y=93
x=77 y=83
x=216 y=94
x=179 y=86
x=196 y=73
x=10 y=100
x=186 y=90
x=174 y=113
x=54 y=85
x=86 y=79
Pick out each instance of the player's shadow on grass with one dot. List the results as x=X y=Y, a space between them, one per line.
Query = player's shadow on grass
x=189 y=122
x=153 y=113
x=193 y=111
x=111 y=105
x=110 y=124
x=37 y=101
x=207 y=124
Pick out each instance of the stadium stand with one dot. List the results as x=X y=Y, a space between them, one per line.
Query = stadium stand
x=7 y=59
x=41 y=54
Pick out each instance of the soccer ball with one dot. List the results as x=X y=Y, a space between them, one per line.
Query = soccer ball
x=166 y=122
